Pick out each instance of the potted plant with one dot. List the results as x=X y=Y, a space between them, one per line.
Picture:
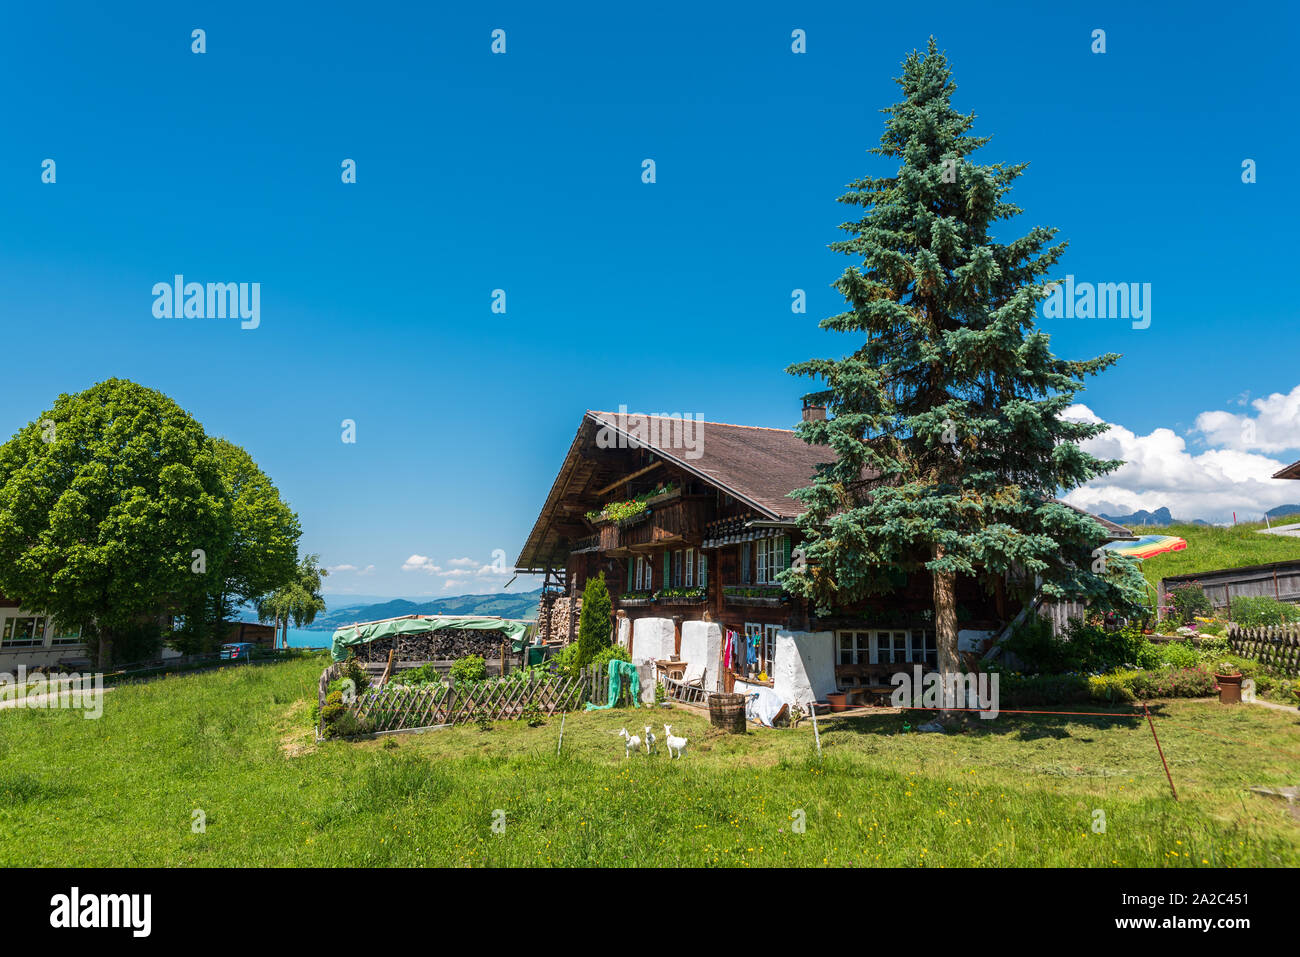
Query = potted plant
x=1228 y=676
x=838 y=700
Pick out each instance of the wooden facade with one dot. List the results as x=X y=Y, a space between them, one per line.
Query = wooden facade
x=710 y=540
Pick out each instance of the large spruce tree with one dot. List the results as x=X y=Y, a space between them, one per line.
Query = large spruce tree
x=946 y=420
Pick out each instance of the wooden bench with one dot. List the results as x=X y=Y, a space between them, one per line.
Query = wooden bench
x=871 y=682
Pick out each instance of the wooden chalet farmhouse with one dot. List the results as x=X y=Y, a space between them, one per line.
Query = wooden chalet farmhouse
x=692 y=522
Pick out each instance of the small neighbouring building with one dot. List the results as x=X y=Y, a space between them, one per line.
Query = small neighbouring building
x=691 y=523
x=32 y=639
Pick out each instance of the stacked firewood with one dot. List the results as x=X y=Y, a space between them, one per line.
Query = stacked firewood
x=553 y=622
x=435 y=646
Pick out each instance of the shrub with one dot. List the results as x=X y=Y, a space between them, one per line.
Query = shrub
x=565 y=661
x=1188 y=601
x=469 y=668
x=607 y=654
x=1261 y=612
x=594 y=619
x=1178 y=655
x=1197 y=682
x=423 y=675
x=352 y=670
x=337 y=721
x=1116 y=686
x=1086 y=647
x=1122 y=685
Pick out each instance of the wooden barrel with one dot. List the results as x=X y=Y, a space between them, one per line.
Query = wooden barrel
x=727 y=711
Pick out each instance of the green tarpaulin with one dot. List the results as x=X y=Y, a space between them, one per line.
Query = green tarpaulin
x=618 y=670
x=351 y=635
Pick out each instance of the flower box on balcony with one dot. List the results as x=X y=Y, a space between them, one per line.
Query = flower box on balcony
x=761 y=596
x=681 y=596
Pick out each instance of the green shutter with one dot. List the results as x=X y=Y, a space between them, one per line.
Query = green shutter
x=631 y=564
x=785 y=545
x=744 y=563
x=668 y=569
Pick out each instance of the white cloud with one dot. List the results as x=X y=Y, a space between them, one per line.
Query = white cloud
x=1160 y=471
x=336 y=569
x=1275 y=426
x=420 y=563
x=462 y=563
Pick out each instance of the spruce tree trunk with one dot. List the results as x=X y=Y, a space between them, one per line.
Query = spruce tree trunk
x=945 y=625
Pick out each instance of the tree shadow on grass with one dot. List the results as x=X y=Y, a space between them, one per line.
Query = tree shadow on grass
x=1025 y=727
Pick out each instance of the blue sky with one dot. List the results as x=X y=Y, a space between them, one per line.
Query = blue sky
x=522 y=172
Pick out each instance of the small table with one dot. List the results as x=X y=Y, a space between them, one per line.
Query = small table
x=671 y=669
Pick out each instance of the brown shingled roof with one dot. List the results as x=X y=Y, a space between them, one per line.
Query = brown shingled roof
x=758 y=465
x=1292 y=471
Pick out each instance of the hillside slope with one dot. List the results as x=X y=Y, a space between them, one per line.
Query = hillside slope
x=502 y=604
x=1210 y=547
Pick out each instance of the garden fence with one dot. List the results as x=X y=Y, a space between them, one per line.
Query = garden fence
x=399 y=708
x=1277 y=646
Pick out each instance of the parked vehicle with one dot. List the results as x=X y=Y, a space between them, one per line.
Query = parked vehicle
x=236 y=650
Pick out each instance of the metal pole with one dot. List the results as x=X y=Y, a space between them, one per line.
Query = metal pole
x=812 y=709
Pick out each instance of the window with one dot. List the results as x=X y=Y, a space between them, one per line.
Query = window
x=643 y=573
x=771 y=559
x=765 y=648
x=891 y=648
x=690 y=567
x=702 y=573
x=23 y=632
x=887 y=647
x=924 y=650
x=71 y=635
x=855 y=648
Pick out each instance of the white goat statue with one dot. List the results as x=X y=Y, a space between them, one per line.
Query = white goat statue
x=633 y=743
x=649 y=740
x=674 y=743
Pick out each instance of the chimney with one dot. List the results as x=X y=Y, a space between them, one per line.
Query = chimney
x=813 y=411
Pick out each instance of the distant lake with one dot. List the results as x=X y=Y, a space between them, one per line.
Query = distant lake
x=302 y=638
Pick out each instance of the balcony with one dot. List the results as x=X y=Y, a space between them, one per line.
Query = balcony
x=675 y=520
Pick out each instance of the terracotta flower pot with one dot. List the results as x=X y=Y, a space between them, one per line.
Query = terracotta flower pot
x=838 y=700
x=1229 y=688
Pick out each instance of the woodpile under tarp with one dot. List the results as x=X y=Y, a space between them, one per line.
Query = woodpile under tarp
x=353 y=639
x=432 y=646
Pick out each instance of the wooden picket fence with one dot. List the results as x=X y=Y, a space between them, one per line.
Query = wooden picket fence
x=1277 y=646
x=397 y=708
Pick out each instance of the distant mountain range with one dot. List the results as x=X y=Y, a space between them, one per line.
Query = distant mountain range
x=504 y=605
x=1162 y=516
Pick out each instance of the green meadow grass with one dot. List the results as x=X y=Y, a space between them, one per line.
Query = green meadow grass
x=1019 y=790
x=1210 y=548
